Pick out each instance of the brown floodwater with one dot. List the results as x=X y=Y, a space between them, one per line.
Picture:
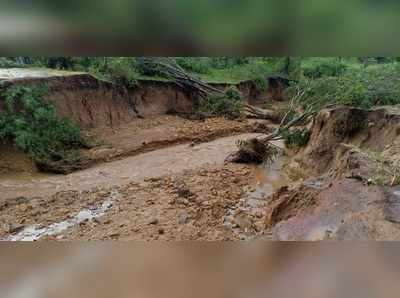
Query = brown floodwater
x=157 y=163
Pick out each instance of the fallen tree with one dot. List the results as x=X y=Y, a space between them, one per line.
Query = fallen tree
x=168 y=68
x=256 y=150
x=300 y=112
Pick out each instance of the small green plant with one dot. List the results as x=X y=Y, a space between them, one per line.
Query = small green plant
x=296 y=138
x=32 y=123
x=120 y=70
x=261 y=84
x=230 y=104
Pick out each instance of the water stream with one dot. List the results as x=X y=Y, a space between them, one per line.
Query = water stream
x=269 y=178
x=35 y=232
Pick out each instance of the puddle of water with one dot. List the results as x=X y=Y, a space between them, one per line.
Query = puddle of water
x=36 y=232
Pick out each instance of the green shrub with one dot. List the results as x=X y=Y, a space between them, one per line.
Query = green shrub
x=296 y=138
x=230 y=104
x=199 y=65
x=119 y=70
x=261 y=84
x=7 y=62
x=378 y=84
x=324 y=67
x=32 y=123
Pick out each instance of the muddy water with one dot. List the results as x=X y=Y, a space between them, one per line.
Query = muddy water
x=23 y=73
x=35 y=232
x=136 y=168
x=269 y=178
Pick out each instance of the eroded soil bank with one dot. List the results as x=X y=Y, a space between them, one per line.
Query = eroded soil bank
x=349 y=190
x=165 y=177
x=341 y=186
x=123 y=121
x=150 y=188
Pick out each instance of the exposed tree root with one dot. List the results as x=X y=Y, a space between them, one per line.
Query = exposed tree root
x=253 y=151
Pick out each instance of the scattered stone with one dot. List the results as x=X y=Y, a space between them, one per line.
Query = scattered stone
x=114 y=235
x=101 y=220
x=152 y=179
x=243 y=221
x=23 y=207
x=161 y=231
x=153 y=221
x=14 y=228
x=183 y=219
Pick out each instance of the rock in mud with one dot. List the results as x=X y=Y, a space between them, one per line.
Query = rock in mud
x=392 y=208
x=183 y=219
x=14 y=228
x=182 y=190
x=243 y=221
x=153 y=221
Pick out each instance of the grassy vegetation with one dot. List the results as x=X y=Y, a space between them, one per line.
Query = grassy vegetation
x=358 y=81
x=349 y=82
x=296 y=138
x=229 y=105
x=32 y=123
x=229 y=70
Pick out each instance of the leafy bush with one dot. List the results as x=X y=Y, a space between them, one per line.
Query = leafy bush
x=296 y=138
x=374 y=85
x=120 y=70
x=324 y=67
x=230 y=104
x=33 y=125
x=261 y=84
x=7 y=62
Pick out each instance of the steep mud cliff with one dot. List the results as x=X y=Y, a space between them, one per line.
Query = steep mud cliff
x=94 y=103
x=351 y=173
x=98 y=105
x=14 y=160
x=84 y=99
x=377 y=130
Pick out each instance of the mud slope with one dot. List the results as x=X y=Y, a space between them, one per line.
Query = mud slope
x=376 y=130
x=353 y=158
x=94 y=103
x=82 y=98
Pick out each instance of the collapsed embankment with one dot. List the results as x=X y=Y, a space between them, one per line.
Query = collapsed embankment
x=350 y=170
x=94 y=103
x=98 y=105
